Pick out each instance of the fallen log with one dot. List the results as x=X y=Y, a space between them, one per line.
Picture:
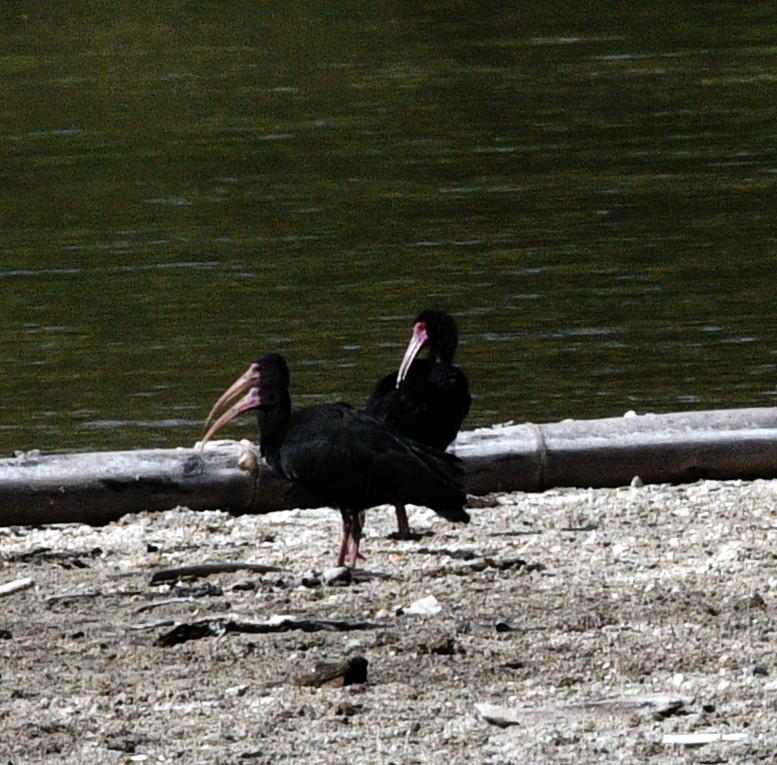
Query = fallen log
x=659 y=448
x=100 y=487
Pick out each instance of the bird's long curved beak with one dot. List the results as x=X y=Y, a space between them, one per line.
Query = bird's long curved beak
x=246 y=382
x=419 y=339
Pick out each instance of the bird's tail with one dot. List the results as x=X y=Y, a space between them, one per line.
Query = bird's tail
x=443 y=486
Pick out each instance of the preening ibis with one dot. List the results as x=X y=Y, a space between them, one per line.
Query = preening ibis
x=425 y=399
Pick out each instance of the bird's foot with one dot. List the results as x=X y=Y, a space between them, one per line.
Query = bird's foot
x=352 y=534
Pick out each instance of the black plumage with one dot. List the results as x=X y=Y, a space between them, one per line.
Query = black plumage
x=425 y=399
x=343 y=456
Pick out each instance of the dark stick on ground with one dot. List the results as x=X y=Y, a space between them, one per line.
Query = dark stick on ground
x=206 y=569
x=218 y=626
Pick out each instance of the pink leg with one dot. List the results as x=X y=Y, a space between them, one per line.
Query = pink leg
x=357 y=523
x=345 y=544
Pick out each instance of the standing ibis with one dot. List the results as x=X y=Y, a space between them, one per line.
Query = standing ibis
x=343 y=456
x=425 y=399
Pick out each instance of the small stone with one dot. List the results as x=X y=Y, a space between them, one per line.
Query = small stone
x=310 y=579
x=347 y=709
x=121 y=744
x=428 y=606
x=235 y=691
x=756 y=601
x=339 y=575
x=351 y=671
x=444 y=647
x=502 y=625
x=759 y=670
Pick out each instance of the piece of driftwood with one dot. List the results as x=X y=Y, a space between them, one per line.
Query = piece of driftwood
x=9 y=588
x=218 y=626
x=163 y=604
x=65 y=558
x=100 y=487
x=650 y=705
x=701 y=739
x=72 y=597
x=206 y=569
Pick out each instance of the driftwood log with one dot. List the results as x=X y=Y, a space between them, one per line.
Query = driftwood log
x=100 y=487
x=656 y=705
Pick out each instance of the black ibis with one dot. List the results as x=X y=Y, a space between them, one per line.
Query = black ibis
x=341 y=455
x=425 y=399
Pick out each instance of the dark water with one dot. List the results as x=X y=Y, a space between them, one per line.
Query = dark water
x=592 y=194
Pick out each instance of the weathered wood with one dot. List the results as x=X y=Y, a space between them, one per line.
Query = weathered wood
x=216 y=626
x=656 y=705
x=701 y=739
x=100 y=487
x=9 y=588
x=659 y=448
x=206 y=569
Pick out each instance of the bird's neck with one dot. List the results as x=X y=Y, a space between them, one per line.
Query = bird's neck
x=273 y=420
x=437 y=369
x=443 y=354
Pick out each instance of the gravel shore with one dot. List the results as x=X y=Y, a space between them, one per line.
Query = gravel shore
x=658 y=600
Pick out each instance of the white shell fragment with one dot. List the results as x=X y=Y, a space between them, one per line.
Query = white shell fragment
x=428 y=606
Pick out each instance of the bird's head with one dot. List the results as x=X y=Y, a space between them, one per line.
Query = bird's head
x=264 y=386
x=435 y=328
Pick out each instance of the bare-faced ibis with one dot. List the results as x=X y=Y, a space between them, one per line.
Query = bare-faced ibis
x=425 y=399
x=341 y=455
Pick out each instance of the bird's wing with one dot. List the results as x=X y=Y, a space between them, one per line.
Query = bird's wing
x=350 y=459
x=380 y=400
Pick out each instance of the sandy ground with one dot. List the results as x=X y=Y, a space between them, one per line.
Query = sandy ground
x=545 y=604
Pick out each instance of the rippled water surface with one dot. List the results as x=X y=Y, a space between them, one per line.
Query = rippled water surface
x=592 y=196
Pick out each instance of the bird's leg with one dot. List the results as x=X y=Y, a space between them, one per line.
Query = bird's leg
x=345 y=544
x=403 y=526
x=357 y=523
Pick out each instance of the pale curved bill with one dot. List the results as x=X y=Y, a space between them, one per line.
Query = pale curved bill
x=417 y=341
x=240 y=386
x=251 y=401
